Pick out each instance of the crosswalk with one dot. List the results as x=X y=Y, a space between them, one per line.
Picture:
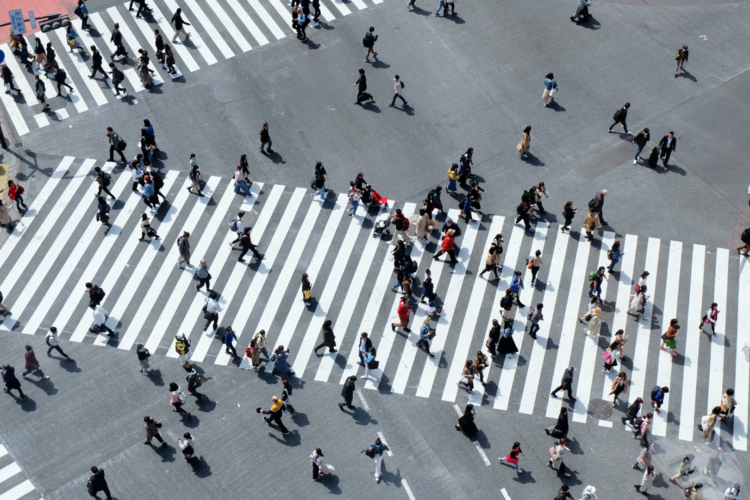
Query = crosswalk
x=220 y=30
x=13 y=485
x=58 y=246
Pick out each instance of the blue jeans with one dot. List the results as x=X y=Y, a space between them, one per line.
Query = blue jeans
x=397 y=285
x=241 y=186
x=19 y=199
x=442 y=5
x=354 y=206
x=321 y=192
x=395 y=95
x=638 y=150
x=26 y=372
x=598 y=289
x=612 y=265
x=361 y=358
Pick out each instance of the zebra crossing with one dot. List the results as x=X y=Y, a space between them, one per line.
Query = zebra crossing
x=13 y=486
x=220 y=30
x=58 y=246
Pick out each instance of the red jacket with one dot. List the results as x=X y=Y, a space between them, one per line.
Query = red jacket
x=31 y=362
x=447 y=244
x=404 y=309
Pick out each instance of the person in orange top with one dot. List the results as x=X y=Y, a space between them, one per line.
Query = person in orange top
x=447 y=246
x=404 y=310
x=14 y=193
x=668 y=338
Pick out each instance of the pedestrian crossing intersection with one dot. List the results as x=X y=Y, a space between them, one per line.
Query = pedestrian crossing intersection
x=46 y=262
x=220 y=30
x=13 y=484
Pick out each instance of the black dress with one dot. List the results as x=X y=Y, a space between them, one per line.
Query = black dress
x=506 y=345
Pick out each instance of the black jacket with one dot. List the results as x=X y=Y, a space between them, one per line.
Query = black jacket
x=97 y=481
x=116 y=37
x=159 y=42
x=348 y=390
x=494 y=334
x=642 y=138
x=97 y=58
x=362 y=83
x=672 y=145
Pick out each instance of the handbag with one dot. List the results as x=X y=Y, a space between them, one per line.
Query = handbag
x=307 y=294
x=369 y=452
x=553 y=454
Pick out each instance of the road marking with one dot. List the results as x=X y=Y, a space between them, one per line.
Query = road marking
x=19 y=491
x=739 y=439
x=195 y=36
x=716 y=363
x=248 y=22
x=476 y=443
x=9 y=471
x=74 y=94
x=408 y=489
x=267 y=19
x=106 y=35
x=382 y=438
x=83 y=70
x=692 y=344
x=228 y=24
x=364 y=402
x=21 y=82
x=505 y=494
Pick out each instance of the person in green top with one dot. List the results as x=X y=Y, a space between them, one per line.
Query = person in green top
x=563 y=493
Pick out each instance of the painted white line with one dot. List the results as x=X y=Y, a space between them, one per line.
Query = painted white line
x=664 y=372
x=19 y=76
x=363 y=400
x=248 y=22
x=17 y=492
x=74 y=94
x=3 y=451
x=195 y=37
x=106 y=35
x=476 y=443
x=408 y=489
x=228 y=24
x=511 y=256
x=115 y=271
x=9 y=471
x=61 y=114
x=74 y=257
x=327 y=14
x=83 y=70
x=130 y=39
x=41 y=120
x=14 y=113
x=267 y=19
x=360 y=4
x=350 y=301
x=742 y=370
x=341 y=6
x=510 y=364
x=570 y=324
x=716 y=363
x=186 y=277
x=382 y=438
x=285 y=14
x=387 y=338
x=638 y=376
x=461 y=351
x=692 y=344
x=168 y=33
x=505 y=493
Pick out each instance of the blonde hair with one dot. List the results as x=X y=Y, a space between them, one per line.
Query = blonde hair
x=450 y=232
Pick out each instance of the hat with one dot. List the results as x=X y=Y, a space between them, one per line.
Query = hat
x=590 y=490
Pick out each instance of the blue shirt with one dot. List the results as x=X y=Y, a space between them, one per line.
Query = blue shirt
x=148 y=189
x=379 y=449
x=369 y=358
x=229 y=337
x=424 y=332
x=550 y=84
x=615 y=254
x=515 y=283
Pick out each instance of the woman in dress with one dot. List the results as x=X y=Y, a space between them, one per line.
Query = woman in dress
x=594 y=324
x=512 y=457
x=619 y=385
x=319 y=465
x=423 y=225
x=558 y=452
x=523 y=145
x=638 y=302
x=507 y=345
x=280 y=358
x=561 y=426
x=466 y=421
x=453 y=176
x=467 y=377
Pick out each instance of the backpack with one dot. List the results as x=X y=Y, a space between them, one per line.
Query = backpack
x=618 y=114
x=366 y=42
x=234 y=226
x=592 y=203
x=403 y=85
x=198 y=381
x=411 y=267
x=592 y=275
x=107 y=178
x=637 y=421
x=745 y=237
x=78 y=12
x=99 y=292
x=404 y=224
x=107 y=208
x=654 y=392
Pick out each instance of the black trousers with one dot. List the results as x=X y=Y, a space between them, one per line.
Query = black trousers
x=157 y=436
x=112 y=150
x=58 y=350
x=104 y=188
x=323 y=345
x=204 y=281
x=569 y=388
x=212 y=317
x=316 y=471
x=525 y=218
x=276 y=418
x=98 y=67
x=665 y=154
x=230 y=347
x=252 y=248
x=532 y=332
x=103 y=488
x=425 y=344
x=534 y=270
x=317 y=12
x=450 y=253
x=490 y=267
x=62 y=84
x=8 y=389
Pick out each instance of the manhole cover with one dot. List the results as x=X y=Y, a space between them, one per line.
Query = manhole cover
x=248 y=220
x=17 y=145
x=600 y=409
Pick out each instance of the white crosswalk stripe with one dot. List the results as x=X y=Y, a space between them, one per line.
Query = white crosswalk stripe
x=7 y=472
x=195 y=37
x=147 y=296
x=243 y=16
x=106 y=34
x=18 y=75
x=228 y=24
x=209 y=27
x=130 y=39
x=83 y=70
x=73 y=95
x=268 y=20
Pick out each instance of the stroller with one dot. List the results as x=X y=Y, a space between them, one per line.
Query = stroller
x=378 y=200
x=381 y=229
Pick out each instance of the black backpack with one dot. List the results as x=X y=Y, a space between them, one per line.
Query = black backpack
x=592 y=203
x=745 y=237
x=107 y=178
x=366 y=42
x=618 y=114
x=99 y=293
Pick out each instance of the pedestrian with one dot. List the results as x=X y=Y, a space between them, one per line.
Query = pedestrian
x=492 y=261
x=668 y=337
x=329 y=339
x=204 y=277
x=183 y=244
x=370 y=362
x=714 y=463
x=178 y=399
x=534 y=263
x=320 y=178
x=237 y=226
x=566 y=384
x=710 y=317
x=195 y=176
x=638 y=302
x=51 y=59
x=211 y=310
x=493 y=337
x=141 y=5
x=632 y=412
x=115 y=144
x=60 y=77
x=452 y=5
x=403 y=311
x=364 y=347
x=561 y=426
x=595 y=283
x=265 y=138
x=319 y=465
x=512 y=457
x=640 y=141
x=667 y=145
x=136 y=170
x=728 y=403
x=467 y=377
x=691 y=492
x=40 y=89
x=24 y=47
x=179 y=25
x=97 y=483
x=648 y=480
x=369 y=42
x=275 y=414
x=745 y=238
x=149 y=196
x=447 y=246
x=182 y=346
x=425 y=335
x=15 y=193
x=152 y=430
x=642 y=281
x=188 y=449
x=582 y=11
x=708 y=423
x=523 y=210
x=147 y=131
x=597 y=204
x=617 y=344
x=169 y=60
x=117 y=78
x=8 y=78
x=96 y=294
x=100 y=320
x=466 y=206
x=143 y=355
x=119 y=53
x=516 y=285
x=229 y=339
x=620 y=115
x=375 y=451
x=247 y=245
x=316 y=11
x=194 y=380
x=53 y=341
x=535 y=316
x=40 y=52
x=558 y=452
x=253 y=354
x=594 y=324
x=260 y=343
x=480 y=363
x=589 y=493
x=619 y=385
x=401 y=225
x=681 y=58
x=103 y=179
x=568 y=212
x=348 y=393
x=159 y=44
x=523 y=145
x=32 y=364
x=563 y=493
x=641 y=426
x=286 y=396
x=550 y=88
x=686 y=468
x=354 y=196
x=280 y=357
x=398 y=86
x=614 y=255
x=432 y=306
x=239 y=182
x=733 y=492
x=11 y=382
x=657 y=397
x=5 y=221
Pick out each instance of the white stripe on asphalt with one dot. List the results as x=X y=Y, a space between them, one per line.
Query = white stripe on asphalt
x=74 y=95
x=83 y=70
x=106 y=35
x=18 y=491
x=166 y=30
x=742 y=371
x=716 y=363
x=510 y=364
x=664 y=372
x=129 y=38
x=327 y=14
x=248 y=22
x=283 y=12
x=267 y=19
x=209 y=27
x=692 y=344
x=14 y=113
x=195 y=36
x=469 y=325
x=341 y=6
x=19 y=76
x=350 y=301
x=186 y=277
x=228 y=24
x=638 y=375
x=3 y=451
x=475 y=442
x=407 y=489
x=9 y=471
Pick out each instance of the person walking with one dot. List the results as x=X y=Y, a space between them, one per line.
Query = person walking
x=447 y=247
x=535 y=316
x=32 y=364
x=733 y=492
x=620 y=385
x=188 y=449
x=194 y=380
x=632 y=412
x=115 y=144
x=60 y=76
x=239 y=182
x=15 y=193
x=714 y=463
x=728 y=403
x=103 y=179
x=525 y=142
x=329 y=339
x=614 y=255
x=8 y=79
x=152 y=430
x=204 y=277
x=274 y=414
x=11 y=382
x=710 y=317
x=369 y=42
x=403 y=311
x=423 y=225
x=97 y=483
x=534 y=263
x=320 y=178
x=179 y=25
x=370 y=362
x=668 y=337
x=183 y=244
x=100 y=320
x=595 y=283
x=237 y=226
x=400 y=225
x=638 y=302
x=559 y=451
x=117 y=78
x=620 y=117
x=563 y=493
x=159 y=44
x=681 y=58
x=195 y=176
x=40 y=89
x=648 y=480
x=480 y=363
x=260 y=343
x=364 y=347
x=265 y=138
x=657 y=397
x=354 y=196
x=566 y=384
x=376 y=450
x=561 y=426
x=493 y=337
x=550 y=89
x=53 y=341
x=589 y=493
x=745 y=238
x=211 y=310
x=247 y=245
x=286 y=396
x=597 y=205
x=492 y=261
x=96 y=294
x=5 y=221
x=425 y=335
x=347 y=392
x=143 y=355
x=182 y=346
x=319 y=465
x=667 y=146
x=136 y=170
x=582 y=11
x=467 y=377
x=229 y=339
x=169 y=60
x=516 y=285
x=177 y=399
x=594 y=324
x=512 y=457
x=708 y=423
x=568 y=212
x=280 y=357
x=686 y=468
x=641 y=425
x=640 y=141
x=398 y=86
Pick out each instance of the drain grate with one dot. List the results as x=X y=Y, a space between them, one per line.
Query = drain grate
x=17 y=145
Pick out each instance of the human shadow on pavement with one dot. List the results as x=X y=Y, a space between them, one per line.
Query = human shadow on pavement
x=154 y=375
x=455 y=18
x=379 y=64
x=422 y=12
x=591 y=24
x=276 y=158
x=370 y=106
x=69 y=365
x=688 y=75
x=406 y=109
x=532 y=160
x=300 y=419
x=291 y=439
x=166 y=452
x=201 y=468
x=46 y=385
x=27 y=405
x=330 y=481
x=555 y=106
x=525 y=478
x=204 y=404
x=322 y=25
x=362 y=417
x=389 y=477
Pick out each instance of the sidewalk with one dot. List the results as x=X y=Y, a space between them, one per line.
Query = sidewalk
x=40 y=8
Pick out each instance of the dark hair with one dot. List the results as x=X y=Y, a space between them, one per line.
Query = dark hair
x=539 y=306
x=110 y=128
x=627 y=105
x=146 y=122
x=89 y=285
x=645 y=130
x=146 y=419
x=187 y=436
x=527 y=129
x=361 y=72
x=615 y=245
x=173 y=386
x=372 y=29
x=565 y=487
x=730 y=392
x=94 y=469
x=397 y=77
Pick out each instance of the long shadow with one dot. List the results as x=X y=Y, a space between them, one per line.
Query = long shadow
x=591 y=24
x=300 y=419
x=370 y=106
x=292 y=439
x=688 y=75
x=525 y=478
x=422 y=12
x=201 y=469
x=155 y=377
x=166 y=452
x=362 y=417
x=69 y=365
x=276 y=158
x=205 y=405
x=532 y=160
x=330 y=481
x=46 y=385
x=555 y=106
x=378 y=64
x=311 y=45
x=455 y=18
x=322 y=25
x=406 y=109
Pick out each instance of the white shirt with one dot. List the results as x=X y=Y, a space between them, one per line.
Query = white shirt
x=363 y=343
x=397 y=87
x=137 y=173
x=212 y=306
x=239 y=175
x=193 y=162
x=100 y=315
x=642 y=281
x=238 y=224
x=52 y=338
x=184 y=444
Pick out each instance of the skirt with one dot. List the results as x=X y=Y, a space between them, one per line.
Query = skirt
x=510 y=460
x=452 y=185
x=507 y=345
x=670 y=343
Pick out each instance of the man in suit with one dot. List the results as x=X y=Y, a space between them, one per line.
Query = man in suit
x=667 y=145
x=97 y=483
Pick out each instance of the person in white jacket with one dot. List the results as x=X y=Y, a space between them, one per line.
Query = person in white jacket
x=397 y=87
x=100 y=320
